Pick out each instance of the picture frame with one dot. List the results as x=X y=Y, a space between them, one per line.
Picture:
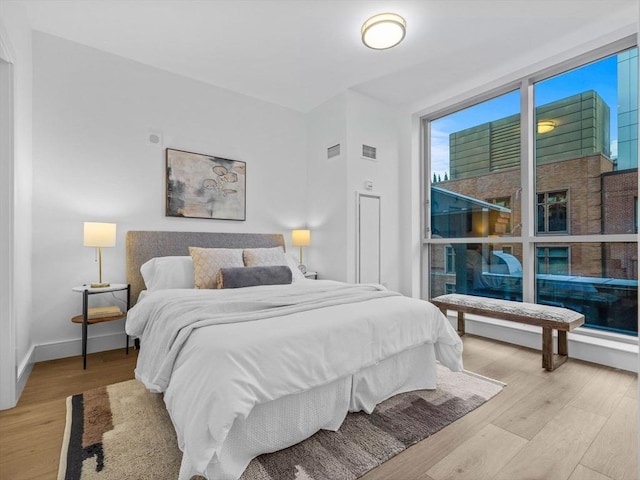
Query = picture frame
x=205 y=186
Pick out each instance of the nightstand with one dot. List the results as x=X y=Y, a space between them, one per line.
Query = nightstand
x=84 y=319
x=311 y=275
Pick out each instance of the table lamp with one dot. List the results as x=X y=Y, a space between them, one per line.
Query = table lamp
x=99 y=235
x=301 y=238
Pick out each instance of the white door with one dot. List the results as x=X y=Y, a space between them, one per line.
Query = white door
x=368 y=238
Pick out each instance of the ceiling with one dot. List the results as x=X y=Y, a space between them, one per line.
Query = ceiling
x=300 y=53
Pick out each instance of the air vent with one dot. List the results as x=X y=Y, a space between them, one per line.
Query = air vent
x=369 y=152
x=333 y=151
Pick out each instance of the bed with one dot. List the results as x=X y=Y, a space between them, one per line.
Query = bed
x=254 y=369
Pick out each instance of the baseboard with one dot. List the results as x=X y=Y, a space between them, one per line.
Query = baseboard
x=52 y=351
x=610 y=352
x=24 y=370
x=73 y=348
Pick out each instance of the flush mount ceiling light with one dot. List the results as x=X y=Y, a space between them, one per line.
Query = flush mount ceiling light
x=383 y=31
x=545 y=126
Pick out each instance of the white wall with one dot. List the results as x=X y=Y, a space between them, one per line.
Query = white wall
x=326 y=187
x=92 y=162
x=373 y=123
x=409 y=206
x=17 y=325
x=352 y=119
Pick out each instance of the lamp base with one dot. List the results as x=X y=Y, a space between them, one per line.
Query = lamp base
x=302 y=268
x=100 y=285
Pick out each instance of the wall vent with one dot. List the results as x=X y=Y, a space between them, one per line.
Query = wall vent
x=369 y=152
x=333 y=151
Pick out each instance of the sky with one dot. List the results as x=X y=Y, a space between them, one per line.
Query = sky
x=601 y=76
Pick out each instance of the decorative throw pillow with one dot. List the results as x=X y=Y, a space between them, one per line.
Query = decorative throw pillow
x=254 y=257
x=208 y=261
x=253 y=276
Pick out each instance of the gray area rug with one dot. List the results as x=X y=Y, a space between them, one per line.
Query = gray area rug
x=124 y=432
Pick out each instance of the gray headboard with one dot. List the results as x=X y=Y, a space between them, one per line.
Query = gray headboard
x=144 y=245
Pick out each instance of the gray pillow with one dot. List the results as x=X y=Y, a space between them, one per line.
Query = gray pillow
x=235 y=277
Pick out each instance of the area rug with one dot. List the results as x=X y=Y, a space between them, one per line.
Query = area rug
x=122 y=431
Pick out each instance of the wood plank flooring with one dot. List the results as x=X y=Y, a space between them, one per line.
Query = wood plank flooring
x=576 y=423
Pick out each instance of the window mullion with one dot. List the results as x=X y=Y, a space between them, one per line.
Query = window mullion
x=527 y=184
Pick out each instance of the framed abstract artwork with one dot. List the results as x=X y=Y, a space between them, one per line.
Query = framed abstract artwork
x=204 y=186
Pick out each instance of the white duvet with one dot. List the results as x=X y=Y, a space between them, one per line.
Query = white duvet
x=218 y=353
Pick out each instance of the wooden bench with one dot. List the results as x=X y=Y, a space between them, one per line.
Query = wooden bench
x=549 y=318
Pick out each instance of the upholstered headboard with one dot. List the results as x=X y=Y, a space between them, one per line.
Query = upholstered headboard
x=145 y=245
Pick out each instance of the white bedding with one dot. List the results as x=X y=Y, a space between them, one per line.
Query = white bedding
x=216 y=354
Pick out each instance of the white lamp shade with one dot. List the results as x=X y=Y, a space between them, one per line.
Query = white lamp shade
x=300 y=238
x=99 y=234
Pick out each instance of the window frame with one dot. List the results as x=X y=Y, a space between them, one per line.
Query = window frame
x=546 y=204
x=449 y=252
x=547 y=247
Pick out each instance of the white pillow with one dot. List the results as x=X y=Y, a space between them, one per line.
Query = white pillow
x=260 y=257
x=168 y=272
x=293 y=265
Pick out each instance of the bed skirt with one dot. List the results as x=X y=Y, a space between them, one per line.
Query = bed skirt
x=288 y=420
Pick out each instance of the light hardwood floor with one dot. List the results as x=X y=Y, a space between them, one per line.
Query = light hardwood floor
x=576 y=423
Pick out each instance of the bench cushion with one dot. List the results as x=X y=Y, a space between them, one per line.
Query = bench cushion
x=531 y=311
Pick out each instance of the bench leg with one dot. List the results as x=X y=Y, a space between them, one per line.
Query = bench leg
x=563 y=348
x=550 y=361
x=461 y=323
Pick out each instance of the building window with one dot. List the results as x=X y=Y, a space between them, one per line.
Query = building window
x=449 y=260
x=553 y=260
x=552 y=212
x=449 y=288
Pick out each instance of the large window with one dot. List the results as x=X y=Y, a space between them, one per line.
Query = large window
x=575 y=221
